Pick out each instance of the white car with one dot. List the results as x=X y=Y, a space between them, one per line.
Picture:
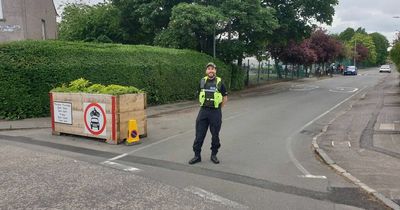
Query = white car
x=385 y=68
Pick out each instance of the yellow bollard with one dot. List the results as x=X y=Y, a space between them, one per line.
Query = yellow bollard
x=133 y=133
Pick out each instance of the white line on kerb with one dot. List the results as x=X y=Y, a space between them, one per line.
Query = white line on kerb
x=289 y=140
x=211 y=196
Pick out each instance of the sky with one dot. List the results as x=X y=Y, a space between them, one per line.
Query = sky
x=373 y=15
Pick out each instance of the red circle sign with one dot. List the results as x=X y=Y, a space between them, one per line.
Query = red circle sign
x=102 y=127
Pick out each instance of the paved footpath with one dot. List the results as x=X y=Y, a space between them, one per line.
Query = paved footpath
x=363 y=142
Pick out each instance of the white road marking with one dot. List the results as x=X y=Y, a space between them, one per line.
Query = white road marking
x=389 y=126
x=117 y=157
x=290 y=138
x=120 y=166
x=343 y=90
x=214 y=197
x=147 y=146
x=303 y=87
x=313 y=177
x=331 y=109
x=347 y=143
x=293 y=159
x=164 y=140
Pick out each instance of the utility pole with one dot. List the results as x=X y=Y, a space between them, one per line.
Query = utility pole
x=355 y=51
x=214 y=42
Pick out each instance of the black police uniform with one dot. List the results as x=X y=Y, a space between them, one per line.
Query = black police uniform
x=209 y=116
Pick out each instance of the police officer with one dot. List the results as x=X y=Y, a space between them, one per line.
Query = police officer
x=212 y=97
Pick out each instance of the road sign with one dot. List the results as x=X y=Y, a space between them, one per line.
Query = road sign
x=62 y=112
x=95 y=118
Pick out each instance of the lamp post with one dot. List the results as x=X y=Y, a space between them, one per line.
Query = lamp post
x=396 y=17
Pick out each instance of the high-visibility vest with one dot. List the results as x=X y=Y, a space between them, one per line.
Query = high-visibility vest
x=210 y=96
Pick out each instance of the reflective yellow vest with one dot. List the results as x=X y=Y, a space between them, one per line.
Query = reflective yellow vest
x=212 y=96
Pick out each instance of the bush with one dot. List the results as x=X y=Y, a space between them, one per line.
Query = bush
x=395 y=55
x=30 y=69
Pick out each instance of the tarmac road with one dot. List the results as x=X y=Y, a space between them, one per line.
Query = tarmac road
x=266 y=158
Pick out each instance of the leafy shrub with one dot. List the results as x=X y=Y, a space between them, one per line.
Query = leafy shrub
x=96 y=88
x=30 y=69
x=83 y=85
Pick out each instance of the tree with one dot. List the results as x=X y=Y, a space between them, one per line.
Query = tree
x=382 y=45
x=362 y=53
x=299 y=53
x=395 y=55
x=192 y=26
x=242 y=26
x=397 y=39
x=297 y=20
x=346 y=35
x=367 y=42
x=249 y=24
x=361 y=30
x=326 y=47
x=142 y=20
x=92 y=23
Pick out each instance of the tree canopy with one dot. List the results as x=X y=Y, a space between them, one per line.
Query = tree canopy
x=92 y=23
x=366 y=41
x=382 y=45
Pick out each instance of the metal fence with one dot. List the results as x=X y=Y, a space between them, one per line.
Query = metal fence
x=268 y=73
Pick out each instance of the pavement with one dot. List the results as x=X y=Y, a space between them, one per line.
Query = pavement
x=362 y=143
x=371 y=161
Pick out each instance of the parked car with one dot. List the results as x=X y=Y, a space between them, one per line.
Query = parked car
x=385 y=68
x=350 y=70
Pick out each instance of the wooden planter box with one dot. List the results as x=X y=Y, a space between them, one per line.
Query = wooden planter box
x=97 y=115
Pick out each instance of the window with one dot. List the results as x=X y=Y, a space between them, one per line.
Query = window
x=1 y=10
x=44 y=37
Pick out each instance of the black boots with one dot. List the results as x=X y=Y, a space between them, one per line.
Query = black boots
x=197 y=159
x=194 y=160
x=214 y=159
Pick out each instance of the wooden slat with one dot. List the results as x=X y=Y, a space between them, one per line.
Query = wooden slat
x=139 y=116
x=131 y=102
x=129 y=106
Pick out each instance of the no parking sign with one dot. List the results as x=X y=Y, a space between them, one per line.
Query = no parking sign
x=95 y=119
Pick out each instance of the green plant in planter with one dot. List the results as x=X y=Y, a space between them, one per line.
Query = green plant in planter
x=83 y=85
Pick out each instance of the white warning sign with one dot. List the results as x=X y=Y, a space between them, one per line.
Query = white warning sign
x=62 y=112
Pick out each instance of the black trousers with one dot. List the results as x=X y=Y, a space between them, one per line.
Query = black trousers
x=208 y=118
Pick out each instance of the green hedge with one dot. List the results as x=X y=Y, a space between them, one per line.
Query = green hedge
x=30 y=69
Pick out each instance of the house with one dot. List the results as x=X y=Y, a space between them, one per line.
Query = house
x=27 y=19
